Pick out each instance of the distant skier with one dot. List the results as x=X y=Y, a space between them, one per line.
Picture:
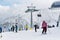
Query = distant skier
x=57 y=23
x=12 y=28
x=0 y=32
x=44 y=26
x=26 y=27
x=0 y=29
x=16 y=27
x=36 y=26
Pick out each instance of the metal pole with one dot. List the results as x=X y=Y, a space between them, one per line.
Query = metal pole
x=31 y=19
x=31 y=9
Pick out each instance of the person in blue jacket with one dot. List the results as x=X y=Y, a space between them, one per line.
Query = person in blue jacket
x=0 y=29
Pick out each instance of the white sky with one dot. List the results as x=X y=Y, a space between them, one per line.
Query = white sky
x=20 y=6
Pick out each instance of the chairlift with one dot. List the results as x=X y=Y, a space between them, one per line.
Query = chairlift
x=39 y=15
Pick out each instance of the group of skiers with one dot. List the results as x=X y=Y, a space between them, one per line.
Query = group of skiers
x=44 y=27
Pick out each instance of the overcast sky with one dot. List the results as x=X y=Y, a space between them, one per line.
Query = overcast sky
x=14 y=7
x=39 y=2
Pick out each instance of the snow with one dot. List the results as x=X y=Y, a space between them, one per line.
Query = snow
x=52 y=34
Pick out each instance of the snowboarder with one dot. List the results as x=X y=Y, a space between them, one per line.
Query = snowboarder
x=44 y=26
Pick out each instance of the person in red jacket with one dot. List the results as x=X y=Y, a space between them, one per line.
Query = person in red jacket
x=44 y=26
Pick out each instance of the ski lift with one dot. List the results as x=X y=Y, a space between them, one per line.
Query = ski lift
x=39 y=15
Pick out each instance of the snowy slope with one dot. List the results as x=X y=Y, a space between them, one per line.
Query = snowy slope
x=52 y=34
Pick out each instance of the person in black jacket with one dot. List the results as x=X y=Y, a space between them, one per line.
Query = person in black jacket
x=57 y=23
x=12 y=28
x=16 y=27
x=36 y=26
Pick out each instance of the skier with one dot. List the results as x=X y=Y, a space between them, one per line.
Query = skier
x=36 y=26
x=16 y=27
x=44 y=26
x=0 y=29
x=26 y=27
x=57 y=23
x=0 y=32
x=12 y=28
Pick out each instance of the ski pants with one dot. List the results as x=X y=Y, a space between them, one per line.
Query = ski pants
x=44 y=30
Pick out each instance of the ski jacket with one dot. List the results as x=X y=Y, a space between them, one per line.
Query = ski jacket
x=44 y=24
